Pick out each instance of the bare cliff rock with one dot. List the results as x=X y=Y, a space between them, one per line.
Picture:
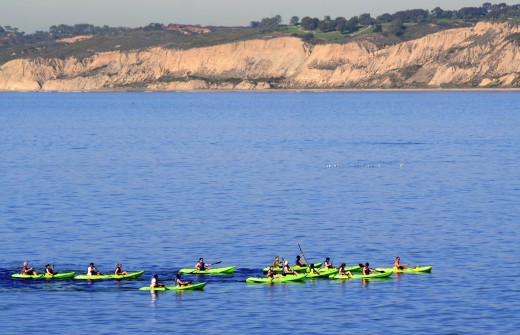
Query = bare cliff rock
x=480 y=56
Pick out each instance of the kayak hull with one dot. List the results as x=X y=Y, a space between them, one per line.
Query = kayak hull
x=322 y=274
x=65 y=275
x=284 y=279
x=385 y=274
x=226 y=270
x=193 y=287
x=417 y=269
x=294 y=268
x=131 y=275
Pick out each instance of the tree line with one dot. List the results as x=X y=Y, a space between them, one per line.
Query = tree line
x=395 y=21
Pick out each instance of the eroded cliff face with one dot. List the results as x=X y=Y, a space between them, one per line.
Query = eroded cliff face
x=481 y=56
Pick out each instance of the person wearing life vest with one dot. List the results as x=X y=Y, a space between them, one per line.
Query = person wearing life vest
x=327 y=264
x=201 y=266
x=299 y=261
x=155 y=281
x=49 y=270
x=366 y=269
x=119 y=271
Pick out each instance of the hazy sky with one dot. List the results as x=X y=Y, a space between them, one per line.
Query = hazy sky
x=32 y=15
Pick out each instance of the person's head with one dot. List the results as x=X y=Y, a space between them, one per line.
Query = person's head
x=327 y=259
x=398 y=258
x=276 y=258
x=119 y=264
x=366 y=264
x=342 y=265
x=298 y=257
x=311 y=266
x=91 y=264
x=201 y=259
x=156 y=276
x=25 y=264
x=178 y=276
x=48 y=266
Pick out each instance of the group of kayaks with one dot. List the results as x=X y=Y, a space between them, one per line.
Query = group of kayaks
x=305 y=272
x=72 y=275
x=301 y=274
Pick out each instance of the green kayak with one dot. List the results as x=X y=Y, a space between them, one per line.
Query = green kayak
x=198 y=286
x=294 y=268
x=284 y=279
x=322 y=274
x=226 y=270
x=65 y=275
x=131 y=275
x=416 y=269
x=385 y=274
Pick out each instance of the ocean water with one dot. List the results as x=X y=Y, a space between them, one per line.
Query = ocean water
x=157 y=180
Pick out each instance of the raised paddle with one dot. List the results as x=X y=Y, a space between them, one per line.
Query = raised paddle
x=306 y=261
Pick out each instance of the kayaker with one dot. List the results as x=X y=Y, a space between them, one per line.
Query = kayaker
x=179 y=282
x=201 y=265
x=92 y=271
x=26 y=270
x=49 y=270
x=366 y=269
x=312 y=269
x=276 y=262
x=155 y=281
x=270 y=272
x=118 y=270
x=286 y=270
x=342 y=271
x=327 y=264
x=397 y=264
x=299 y=261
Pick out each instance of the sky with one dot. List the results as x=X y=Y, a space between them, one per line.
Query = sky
x=33 y=15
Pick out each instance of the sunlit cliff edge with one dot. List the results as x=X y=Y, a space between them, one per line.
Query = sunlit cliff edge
x=483 y=56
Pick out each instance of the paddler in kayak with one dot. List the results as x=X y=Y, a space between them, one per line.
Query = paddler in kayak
x=342 y=271
x=276 y=262
x=312 y=269
x=179 y=282
x=201 y=266
x=26 y=270
x=118 y=271
x=366 y=269
x=327 y=264
x=286 y=270
x=49 y=270
x=92 y=271
x=271 y=274
x=397 y=264
x=299 y=261
x=155 y=281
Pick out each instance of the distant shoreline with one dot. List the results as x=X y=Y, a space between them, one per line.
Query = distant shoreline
x=294 y=90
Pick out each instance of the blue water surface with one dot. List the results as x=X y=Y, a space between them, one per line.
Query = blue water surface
x=157 y=180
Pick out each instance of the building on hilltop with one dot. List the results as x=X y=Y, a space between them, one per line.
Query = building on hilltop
x=187 y=29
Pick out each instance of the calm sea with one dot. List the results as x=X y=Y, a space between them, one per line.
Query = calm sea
x=157 y=180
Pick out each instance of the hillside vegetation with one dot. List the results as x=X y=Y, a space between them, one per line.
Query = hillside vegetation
x=83 y=40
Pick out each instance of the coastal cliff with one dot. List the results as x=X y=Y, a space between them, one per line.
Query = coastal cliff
x=486 y=55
